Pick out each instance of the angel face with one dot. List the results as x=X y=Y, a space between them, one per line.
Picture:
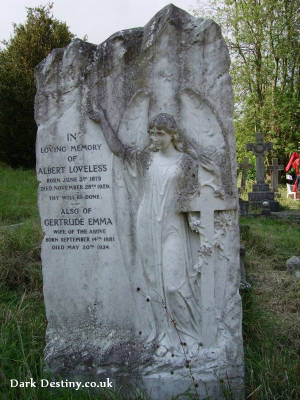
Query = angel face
x=160 y=138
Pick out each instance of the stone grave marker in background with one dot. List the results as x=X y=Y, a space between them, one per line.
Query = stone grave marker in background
x=274 y=169
x=293 y=266
x=261 y=191
x=244 y=166
x=259 y=148
x=138 y=203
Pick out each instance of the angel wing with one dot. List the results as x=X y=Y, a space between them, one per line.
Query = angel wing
x=200 y=124
x=126 y=185
x=134 y=123
x=203 y=132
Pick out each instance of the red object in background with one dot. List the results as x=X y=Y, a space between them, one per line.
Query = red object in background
x=294 y=163
x=294 y=188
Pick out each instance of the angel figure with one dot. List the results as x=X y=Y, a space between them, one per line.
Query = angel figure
x=166 y=174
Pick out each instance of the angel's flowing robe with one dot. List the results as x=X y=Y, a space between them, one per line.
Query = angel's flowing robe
x=163 y=247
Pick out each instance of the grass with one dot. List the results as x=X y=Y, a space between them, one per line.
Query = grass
x=270 y=240
x=20 y=263
x=271 y=354
x=22 y=332
x=17 y=195
x=270 y=308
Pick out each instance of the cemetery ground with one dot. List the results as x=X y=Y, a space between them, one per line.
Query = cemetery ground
x=270 y=307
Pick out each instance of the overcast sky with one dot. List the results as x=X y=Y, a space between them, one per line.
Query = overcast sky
x=98 y=19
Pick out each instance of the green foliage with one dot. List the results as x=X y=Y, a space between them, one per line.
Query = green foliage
x=18 y=197
x=31 y=43
x=20 y=231
x=265 y=50
x=263 y=41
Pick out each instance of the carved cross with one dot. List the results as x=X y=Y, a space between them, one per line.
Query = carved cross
x=274 y=169
x=207 y=204
x=259 y=148
x=244 y=167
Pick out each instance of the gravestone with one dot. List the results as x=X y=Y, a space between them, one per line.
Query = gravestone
x=244 y=166
x=274 y=169
x=293 y=266
x=261 y=191
x=138 y=203
x=244 y=207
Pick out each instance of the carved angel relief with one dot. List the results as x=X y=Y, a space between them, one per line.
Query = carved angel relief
x=159 y=167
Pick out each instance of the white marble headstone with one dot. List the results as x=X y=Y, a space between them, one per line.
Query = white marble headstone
x=138 y=203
